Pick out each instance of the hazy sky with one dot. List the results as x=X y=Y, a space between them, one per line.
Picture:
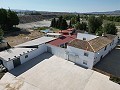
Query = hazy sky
x=62 y=5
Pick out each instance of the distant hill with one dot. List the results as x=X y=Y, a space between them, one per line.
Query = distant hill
x=30 y=18
x=27 y=16
x=116 y=12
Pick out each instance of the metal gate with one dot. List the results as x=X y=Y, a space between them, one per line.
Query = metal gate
x=16 y=62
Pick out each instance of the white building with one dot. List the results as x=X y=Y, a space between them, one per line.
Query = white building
x=84 y=36
x=88 y=49
x=55 y=35
x=20 y=54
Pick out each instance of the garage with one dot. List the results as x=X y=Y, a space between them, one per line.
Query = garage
x=16 y=62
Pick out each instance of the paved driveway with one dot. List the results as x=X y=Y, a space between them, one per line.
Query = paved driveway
x=111 y=63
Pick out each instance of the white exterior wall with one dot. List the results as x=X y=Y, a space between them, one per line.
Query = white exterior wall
x=4 y=63
x=81 y=57
x=87 y=36
x=102 y=52
x=42 y=48
x=60 y=52
x=10 y=65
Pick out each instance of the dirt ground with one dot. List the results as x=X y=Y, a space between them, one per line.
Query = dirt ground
x=22 y=36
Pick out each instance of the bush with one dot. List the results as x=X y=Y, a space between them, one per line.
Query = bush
x=1 y=34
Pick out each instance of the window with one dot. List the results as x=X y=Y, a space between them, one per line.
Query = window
x=105 y=48
x=84 y=62
x=26 y=56
x=84 y=38
x=86 y=54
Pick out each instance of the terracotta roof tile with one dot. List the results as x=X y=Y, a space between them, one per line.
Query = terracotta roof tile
x=93 y=45
x=99 y=43
x=81 y=44
x=109 y=36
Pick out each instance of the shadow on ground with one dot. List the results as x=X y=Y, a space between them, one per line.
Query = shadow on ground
x=16 y=33
x=29 y=64
x=111 y=63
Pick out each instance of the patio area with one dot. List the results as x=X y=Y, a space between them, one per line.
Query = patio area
x=49 y=72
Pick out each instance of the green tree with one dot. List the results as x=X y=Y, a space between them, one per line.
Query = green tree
x=8 y=19
x=1 y=34
x=53 y=22
x=64 y=25
x=3 y=18
x=73 y=20
x=59 y=22
x=99 y=31
x=78 y=18
x=94 y=23
x=110 y=28
x=77 y=26
x=12 y=19
x=70 y=24
x=83 y=26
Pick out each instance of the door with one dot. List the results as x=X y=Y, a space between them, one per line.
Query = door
x=16 y=62
x=71 y=58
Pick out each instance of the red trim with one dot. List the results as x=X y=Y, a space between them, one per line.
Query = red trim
x=64 y=39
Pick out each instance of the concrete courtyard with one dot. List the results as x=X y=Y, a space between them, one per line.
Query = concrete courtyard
x=49 y=72
x=111 y=62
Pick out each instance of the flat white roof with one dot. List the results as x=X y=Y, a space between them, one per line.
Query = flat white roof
x=54 y=34
x=56 y=73
x=37 y=41
x=11 y=53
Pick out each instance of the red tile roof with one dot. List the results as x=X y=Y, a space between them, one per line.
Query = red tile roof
x=62 y=40
x=81 y=44
x=66 y=31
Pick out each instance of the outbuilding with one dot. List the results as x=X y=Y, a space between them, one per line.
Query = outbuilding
x=20 y=54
